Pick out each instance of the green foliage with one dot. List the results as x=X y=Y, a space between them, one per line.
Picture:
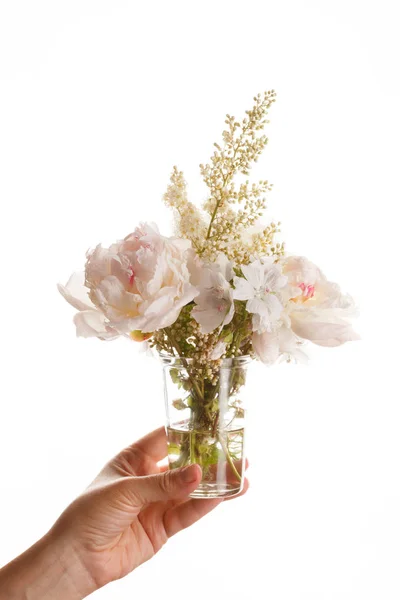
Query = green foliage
x=174 y=374
x=179 y=404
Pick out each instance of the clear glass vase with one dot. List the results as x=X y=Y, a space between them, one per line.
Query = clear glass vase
x=206 y=421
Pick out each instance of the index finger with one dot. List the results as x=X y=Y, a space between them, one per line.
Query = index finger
x=154 y=444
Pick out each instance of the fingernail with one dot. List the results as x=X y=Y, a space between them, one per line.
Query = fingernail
x=189 y=474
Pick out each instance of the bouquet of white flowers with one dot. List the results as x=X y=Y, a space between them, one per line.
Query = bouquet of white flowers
x=220 y=292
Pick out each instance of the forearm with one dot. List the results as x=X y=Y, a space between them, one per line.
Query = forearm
x=49 y=570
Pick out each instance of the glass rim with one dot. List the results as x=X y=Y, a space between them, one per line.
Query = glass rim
x=179 y=361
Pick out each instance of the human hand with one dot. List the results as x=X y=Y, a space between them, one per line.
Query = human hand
x=131 y=509
x=120 y=521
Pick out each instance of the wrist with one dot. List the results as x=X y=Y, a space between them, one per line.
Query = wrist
x=49 y=569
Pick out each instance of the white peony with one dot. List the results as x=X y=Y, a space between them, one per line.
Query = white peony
x=318 y=310
x=138 y=284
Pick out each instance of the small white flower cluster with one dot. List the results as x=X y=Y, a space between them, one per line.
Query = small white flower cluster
x=223 y=287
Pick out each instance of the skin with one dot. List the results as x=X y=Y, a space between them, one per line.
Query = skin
x=121 y=520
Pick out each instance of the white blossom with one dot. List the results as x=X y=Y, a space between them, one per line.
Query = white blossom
x=214 y=303
x=261 y=286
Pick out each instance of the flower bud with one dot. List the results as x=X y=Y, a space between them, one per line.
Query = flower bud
x=139 y=336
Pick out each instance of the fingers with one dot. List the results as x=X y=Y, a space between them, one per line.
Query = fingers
x=163 y=487
x=163 y=467
x=140 y=458
x=184 y=515
x=153 y=444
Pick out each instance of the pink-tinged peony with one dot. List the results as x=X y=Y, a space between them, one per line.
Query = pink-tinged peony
x=272 y=345
x=214 y=304
x=262 y=285
x=89 y=321
x=139 y=284
x=318 y=310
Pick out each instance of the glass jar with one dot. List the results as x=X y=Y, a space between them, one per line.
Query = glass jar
x=205 y=421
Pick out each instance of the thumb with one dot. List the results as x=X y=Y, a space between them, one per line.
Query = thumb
x=164 y=486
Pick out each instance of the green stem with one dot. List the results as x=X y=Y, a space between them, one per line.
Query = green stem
x=173 y=342
x=192 y=447
x=229 y=458
x=215 y=424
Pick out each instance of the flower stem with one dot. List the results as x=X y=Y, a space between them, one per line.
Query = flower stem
x=175 y=344
x=192 y=447
x=229 y=458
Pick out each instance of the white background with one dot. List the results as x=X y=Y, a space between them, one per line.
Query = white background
x=98 y=101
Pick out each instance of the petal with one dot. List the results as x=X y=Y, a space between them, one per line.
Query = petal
x=273 y=278
x=300 y=269
x=266 y=346
x=289 y=345
x=116 y=302
x=229 y=315
x=259 y=324
x=266 y=312
x=225 y=266
x=188 y=293
x=196 y=268
x=155 y=283
x=324 y=333
x=164 y=311
x=182 y=245
x=91 y=323
x=75 y=292
x=274 y=306
x=217 y=280
x=254 y=273
x=287 y=339
x=162 y=303
x=258 y=306
x=218 y=350
x=208 y=319
x=243 y=289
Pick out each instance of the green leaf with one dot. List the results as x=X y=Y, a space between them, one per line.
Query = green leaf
x=227 y=337
x=179 y=404
x=186 y=384
x=174 y=374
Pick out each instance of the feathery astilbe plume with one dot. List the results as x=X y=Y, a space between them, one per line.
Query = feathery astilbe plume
x=189 y=221
x=242 y=145
x=232 y=209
